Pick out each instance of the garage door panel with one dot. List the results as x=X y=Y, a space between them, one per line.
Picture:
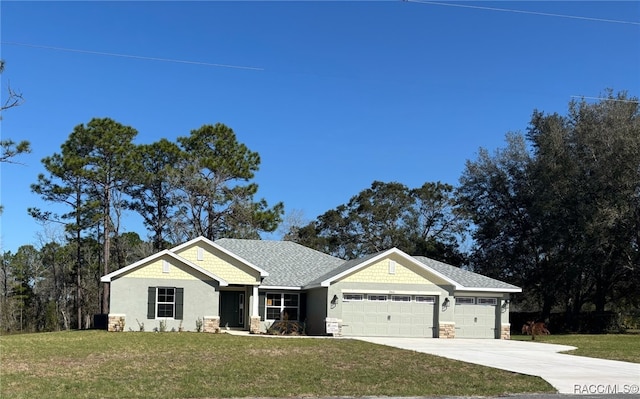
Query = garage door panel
x=399 y=318
x=475 y=321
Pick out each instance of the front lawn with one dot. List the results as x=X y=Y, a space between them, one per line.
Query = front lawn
x=89 y=364
x=625 y=347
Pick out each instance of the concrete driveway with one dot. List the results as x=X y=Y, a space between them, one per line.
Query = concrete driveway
x=567 y=373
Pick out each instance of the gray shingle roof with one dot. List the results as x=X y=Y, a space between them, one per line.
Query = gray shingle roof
x=294 y=265
x=342 y=268
x=463 y=277
x=288 y=264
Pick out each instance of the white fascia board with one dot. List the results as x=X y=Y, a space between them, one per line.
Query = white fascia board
x=384 y=254
x=263 y=273
x=220 y=280
x=497 y=290
x=279 y=287
x=392 y=292
x=107 y=278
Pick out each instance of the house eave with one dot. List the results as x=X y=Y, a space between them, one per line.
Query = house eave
x=280 y=287
x=486 y=289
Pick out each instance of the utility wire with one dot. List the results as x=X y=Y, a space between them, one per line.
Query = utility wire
x=139 y=57
x=546 y=14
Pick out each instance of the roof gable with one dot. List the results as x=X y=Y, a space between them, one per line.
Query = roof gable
x=355 y=265
x=151 y=259
x=204 y=242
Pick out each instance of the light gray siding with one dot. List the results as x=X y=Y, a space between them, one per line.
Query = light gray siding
x=129 y=297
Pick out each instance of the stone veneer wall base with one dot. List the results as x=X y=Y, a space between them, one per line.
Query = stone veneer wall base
x=116 y=322
x=254 y=325
x=447 y=330
x=211 y=324
x=505 y=331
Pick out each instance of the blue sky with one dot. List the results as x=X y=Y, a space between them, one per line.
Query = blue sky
x=338 y=94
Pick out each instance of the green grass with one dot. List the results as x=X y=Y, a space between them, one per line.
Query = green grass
x=625 y=347
x=92 y=364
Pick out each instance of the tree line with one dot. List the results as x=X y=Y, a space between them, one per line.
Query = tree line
x=556 y=212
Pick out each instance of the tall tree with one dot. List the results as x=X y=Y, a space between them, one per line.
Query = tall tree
x=65 y=185
x=108 y=146
x=496 y=193
x=215 y=201
x=599 y=148
x=561 y=217
x=153 y=195
x=438 y=223
x=418 y=221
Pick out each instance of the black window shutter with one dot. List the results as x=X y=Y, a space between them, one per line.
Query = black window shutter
x=179 y=303
x=151 y=303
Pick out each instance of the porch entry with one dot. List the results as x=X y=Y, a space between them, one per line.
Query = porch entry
x=232 y=308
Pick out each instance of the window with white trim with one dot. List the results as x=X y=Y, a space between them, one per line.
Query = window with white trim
x=279 y=304
x=487 y=301
x=377 y=298
x=425 y=299
x=352 y=297
x=401 y=298
x=465 y=300
x=166 y=302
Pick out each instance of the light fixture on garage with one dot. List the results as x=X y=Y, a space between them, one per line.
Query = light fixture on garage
x=505 y=304
x=445 y=304
x=334 y=300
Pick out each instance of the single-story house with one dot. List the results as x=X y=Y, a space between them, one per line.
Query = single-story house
x=249 y=284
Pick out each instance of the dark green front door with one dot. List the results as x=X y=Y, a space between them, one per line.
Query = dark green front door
x=231 y=309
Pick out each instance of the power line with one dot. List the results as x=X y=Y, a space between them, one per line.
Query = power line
x=139 y=57
x=546 y=14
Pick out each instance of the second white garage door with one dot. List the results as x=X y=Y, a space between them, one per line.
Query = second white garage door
x=475 y=317
x=388 y=315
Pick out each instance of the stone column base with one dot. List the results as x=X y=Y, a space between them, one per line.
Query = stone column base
x=254 y=325
x=211 y=324
x=505 y=331
x=447 y=330
x=116 y=322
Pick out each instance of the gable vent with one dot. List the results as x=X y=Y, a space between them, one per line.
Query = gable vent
x=392 y=267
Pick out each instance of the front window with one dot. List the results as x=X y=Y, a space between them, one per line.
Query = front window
x=282 y=305
x=166 y=302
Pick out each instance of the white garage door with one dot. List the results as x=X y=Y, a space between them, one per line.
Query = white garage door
x=475 y=317
x=388 y=315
